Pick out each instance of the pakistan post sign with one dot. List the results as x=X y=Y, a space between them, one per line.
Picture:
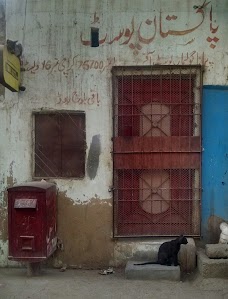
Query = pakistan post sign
x=9 y=69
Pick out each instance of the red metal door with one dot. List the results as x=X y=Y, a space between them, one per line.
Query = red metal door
x=157 y=149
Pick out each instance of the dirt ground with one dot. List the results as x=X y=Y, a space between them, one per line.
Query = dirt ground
x=14 y=284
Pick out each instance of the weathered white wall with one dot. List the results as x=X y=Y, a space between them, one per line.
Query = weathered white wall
x=62 y=73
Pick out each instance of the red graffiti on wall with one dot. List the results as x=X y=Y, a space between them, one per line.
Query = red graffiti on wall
x=133 y=36
x=67 y=65
x=75 y=98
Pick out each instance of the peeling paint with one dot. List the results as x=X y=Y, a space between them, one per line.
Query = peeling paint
x=10 y=181
x=4 y=256
x=2 y=38
x=2 y=23
x=3 y=223
x=86 y=235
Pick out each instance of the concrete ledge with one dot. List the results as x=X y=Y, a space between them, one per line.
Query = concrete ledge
x=148 y=251
x=151 y=272
x=217 y=250
x=213 y=268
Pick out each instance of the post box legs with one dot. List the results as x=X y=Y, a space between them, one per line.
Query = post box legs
x=33 y=269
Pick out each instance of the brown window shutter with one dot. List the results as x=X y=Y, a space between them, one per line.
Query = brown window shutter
x=72 y=145
x=47 y=145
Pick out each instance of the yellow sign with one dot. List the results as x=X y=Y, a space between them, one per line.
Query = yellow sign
x=9 y=69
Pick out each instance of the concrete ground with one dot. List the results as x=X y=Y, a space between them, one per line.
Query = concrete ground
x=14 y=284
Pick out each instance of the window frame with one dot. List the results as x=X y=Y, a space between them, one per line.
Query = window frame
x=56 y=112
x=124 y=222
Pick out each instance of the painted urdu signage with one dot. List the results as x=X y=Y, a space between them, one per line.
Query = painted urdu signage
x=9 y=69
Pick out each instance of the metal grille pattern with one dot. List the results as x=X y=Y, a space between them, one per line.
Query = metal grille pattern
x=157 y=150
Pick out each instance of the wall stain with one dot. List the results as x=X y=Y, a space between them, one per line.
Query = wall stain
x=10 y=181
x=4 y=210
x=2 y=23
x=2 y=35
x=93 y=157
x=86 y=233
x=3 y=223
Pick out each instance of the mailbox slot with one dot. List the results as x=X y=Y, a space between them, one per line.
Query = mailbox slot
x=25 y=203
x=27 y=243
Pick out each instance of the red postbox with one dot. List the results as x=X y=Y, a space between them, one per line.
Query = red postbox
x=32 y=221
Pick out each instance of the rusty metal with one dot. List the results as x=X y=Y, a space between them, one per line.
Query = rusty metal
x=157 y=150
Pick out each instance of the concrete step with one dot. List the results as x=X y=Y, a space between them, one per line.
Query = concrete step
x=151 y=272
x=148 y=251
x=213 y=268
x=215 y=251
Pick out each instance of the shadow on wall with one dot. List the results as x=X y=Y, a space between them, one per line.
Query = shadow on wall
x=93 y=157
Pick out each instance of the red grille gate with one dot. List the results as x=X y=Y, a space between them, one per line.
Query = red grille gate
x=157 y=150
